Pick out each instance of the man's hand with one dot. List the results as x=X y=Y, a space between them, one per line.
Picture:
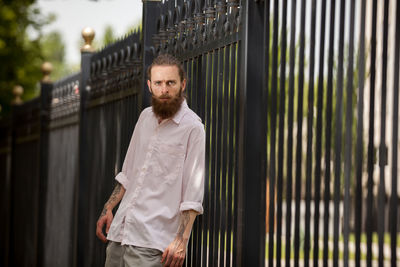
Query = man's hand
x=106 y=217
x=175 y=253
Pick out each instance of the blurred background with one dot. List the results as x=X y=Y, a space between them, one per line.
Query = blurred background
x=34 y=31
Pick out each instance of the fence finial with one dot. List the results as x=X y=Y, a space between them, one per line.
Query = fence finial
x=46 y=68
x=17 y=92
x=88 y=35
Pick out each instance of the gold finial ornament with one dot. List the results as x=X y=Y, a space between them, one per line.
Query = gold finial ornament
x=17 y=92
x=47 y=68
x=88 y=35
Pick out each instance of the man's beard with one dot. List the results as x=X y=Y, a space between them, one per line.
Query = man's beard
x=165 y=109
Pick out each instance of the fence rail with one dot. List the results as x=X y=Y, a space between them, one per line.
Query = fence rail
x=300 y=105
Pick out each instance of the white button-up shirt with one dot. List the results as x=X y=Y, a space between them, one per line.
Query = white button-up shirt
x=163 y=174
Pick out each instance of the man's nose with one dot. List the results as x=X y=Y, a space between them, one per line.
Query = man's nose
x=164 y=88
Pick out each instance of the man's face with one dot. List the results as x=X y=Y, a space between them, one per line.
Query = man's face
x=166 y=89
x=165 y=82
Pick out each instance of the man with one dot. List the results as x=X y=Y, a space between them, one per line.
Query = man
x=162 y=178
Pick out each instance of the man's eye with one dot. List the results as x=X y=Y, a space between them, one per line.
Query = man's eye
x=157 y=83
x=171 y=83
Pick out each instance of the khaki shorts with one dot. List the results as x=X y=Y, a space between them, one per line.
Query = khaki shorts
x=131 y=256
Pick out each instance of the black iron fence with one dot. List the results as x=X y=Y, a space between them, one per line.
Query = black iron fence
x=300 y=105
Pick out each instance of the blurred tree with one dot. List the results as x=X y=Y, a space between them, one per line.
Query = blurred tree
x=53 y=50
x=20 y=55
x=108 y=36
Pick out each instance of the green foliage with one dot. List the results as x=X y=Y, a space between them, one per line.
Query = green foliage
x=53 y=50
x=108 y=36
x=20 y=55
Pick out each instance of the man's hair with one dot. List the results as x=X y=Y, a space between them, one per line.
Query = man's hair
x=167 y=60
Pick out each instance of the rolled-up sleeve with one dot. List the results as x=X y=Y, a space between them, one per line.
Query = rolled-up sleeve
x=121 y=178
x=193 y=172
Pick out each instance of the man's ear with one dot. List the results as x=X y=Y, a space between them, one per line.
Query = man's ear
x=148 y=85
x=183 y=85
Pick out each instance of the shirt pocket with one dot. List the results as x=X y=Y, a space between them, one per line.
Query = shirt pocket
x=169 y=161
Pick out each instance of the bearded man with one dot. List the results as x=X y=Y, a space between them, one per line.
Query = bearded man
x=161 y=184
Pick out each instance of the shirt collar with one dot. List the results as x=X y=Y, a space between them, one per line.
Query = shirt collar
x=181 y=112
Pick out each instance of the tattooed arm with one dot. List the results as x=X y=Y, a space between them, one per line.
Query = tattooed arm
x=175 y=253
x=106 y=215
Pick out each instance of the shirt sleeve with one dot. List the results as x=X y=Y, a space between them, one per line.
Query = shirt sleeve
x=123 y=176
x=193 y=172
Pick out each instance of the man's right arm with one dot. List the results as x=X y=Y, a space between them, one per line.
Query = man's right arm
x=106 y=215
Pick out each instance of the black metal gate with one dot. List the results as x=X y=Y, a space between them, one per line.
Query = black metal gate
x=300 y=105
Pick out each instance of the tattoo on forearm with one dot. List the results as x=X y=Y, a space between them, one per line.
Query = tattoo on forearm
x=114 y=194
x=185 y=217
x=112 y=199
x=103 y=212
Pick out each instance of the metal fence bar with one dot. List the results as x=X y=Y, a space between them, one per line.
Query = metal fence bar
x=348 y=139
x=394 y=199
x=281 y=143
x=328 y=128
x=272 y=153
x=370 y=166
x=224 y=249
x=338 y=136
x=218 y=156
x=318 y=139
x=250 y=154
x=207 y=196
x=382 y=146
x=289 y=187
x=299 y=142
x=359 y=145
x=308 y=192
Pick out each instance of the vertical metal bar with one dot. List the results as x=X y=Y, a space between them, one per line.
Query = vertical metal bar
x=264 y=118
x=224 y=250
x=44 y=153
x=250 y=153
x=207 y=191
x=200 y=104
x=382 y=147
x=318 y=138
x=328 y=128
x=83 y=205
x=272 y=164
x=151 y=10
x=281 y=143
x=220 y=138
x=370 y=166
x=213 y=232
x=338 y=137
x=238 y=199
x=359 y=145
x=348 y=141
x=394 y=200
x=299 y=142
x=230 y=151
x=289 y=182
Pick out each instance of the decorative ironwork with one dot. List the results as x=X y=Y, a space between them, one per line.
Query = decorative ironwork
x=65 y=98
x=115 y=71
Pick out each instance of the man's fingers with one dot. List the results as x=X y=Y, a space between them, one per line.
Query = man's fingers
x=175 y=261
x=100 y=235
x=181 y=261
x=164 y=255
x=168 y=258
x=99 y=230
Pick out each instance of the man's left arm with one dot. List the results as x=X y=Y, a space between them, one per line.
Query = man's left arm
x=175 y=253
x=192 y=197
